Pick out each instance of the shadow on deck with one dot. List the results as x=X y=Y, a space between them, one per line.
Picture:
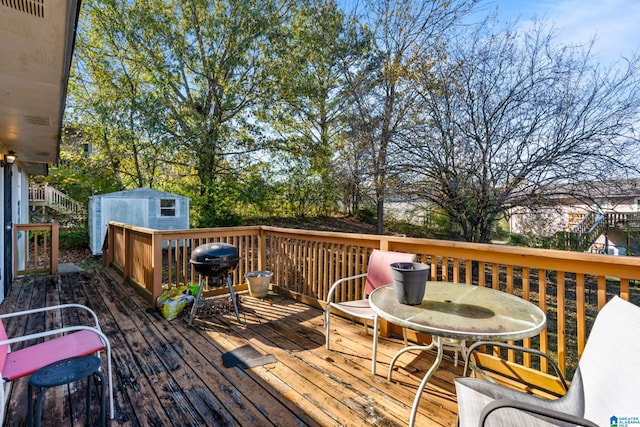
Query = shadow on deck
x=166 y=373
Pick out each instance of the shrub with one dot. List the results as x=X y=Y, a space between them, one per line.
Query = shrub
x=74 y=238
x=366 y=215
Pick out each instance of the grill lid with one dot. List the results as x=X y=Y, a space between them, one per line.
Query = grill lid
x=214 y=258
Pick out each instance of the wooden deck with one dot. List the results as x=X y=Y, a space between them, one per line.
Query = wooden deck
x=166 y=373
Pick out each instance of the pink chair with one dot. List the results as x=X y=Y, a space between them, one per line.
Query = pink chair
x=68 y=342
x=378 y=274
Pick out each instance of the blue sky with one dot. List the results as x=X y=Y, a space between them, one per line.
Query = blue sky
x=614 y=23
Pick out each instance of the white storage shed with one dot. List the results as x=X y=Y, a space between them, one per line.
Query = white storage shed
x=143 y=207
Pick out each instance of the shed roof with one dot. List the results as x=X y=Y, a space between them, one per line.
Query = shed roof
x=141 y=193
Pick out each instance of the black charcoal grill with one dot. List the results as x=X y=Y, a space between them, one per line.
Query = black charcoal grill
x=217 y=261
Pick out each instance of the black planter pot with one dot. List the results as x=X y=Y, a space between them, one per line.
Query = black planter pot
x=409 y=281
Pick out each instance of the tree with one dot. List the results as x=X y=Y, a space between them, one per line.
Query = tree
x=352 y=172
x=113 y=108
x=380 y=86
x=193 y=72
x=510 y=115
x=308 y=115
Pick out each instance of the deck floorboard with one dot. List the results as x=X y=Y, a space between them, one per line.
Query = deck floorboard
x=166 y=373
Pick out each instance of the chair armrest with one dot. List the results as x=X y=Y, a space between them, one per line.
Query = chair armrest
x=469 y=363
x=53 y=307
x=532 y=409
x=336 y=284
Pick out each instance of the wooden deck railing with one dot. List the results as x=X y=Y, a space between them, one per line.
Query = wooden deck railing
x=46 y=195
x=570 y=287
x=35 y=248
x=624 y=219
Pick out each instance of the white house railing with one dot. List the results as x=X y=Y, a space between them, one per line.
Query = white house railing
x=46 y=195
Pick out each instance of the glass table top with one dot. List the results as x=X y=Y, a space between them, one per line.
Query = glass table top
x=462 y=311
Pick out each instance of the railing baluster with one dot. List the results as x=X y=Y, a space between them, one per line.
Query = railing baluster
x=580 y=313
x=560 y=320
x=525 y=295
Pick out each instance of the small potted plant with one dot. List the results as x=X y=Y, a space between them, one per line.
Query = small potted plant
x=409 y=281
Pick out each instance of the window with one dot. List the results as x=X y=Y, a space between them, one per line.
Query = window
x=167 y=207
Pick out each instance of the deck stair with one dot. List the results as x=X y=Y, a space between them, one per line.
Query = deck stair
x=583 y=234
x=50 y=197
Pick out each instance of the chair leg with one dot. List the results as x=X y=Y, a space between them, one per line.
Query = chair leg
x=88 y=398
x=375 y=344
x=5 y=386
x=327 y=317
x=463 y=350
x=110 y=379
x=102 y=397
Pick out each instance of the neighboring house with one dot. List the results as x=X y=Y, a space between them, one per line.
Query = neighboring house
x=411 y=209
x=36 y=46
x=611 y=216
x=143 y=207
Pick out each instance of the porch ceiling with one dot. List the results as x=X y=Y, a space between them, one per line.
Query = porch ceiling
x=36 y=46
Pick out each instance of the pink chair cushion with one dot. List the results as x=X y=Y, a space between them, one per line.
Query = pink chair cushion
x=27 y=360
x=379 y=270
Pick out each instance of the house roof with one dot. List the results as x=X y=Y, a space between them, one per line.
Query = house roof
x=595 y=190
x=36 y=46
x=141 y=193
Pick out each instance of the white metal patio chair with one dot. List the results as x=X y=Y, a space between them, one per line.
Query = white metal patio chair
x=378 y=274
x=59 y=344
x=605 y=386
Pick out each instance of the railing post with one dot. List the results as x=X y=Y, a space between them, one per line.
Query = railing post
x=107 y=247
x=384 y=244
x=262 y=250
x=156 y=266
x=55 y=239
x=128 y=254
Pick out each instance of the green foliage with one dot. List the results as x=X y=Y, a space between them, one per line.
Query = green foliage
x=439 y=228
x=308 y=110
x=74 y=238
x=445 y=225
x=514 y=239
x=215 y=207
x=79 y=176
x=165 y=91
x=288 y=108
x=531 y=241
x=366 y=215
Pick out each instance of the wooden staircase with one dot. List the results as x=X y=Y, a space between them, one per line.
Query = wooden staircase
x=583 y=234
x=48 y=196
x=592 y=226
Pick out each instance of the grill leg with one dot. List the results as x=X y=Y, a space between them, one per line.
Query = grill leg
x=233 y=296
x=196 y=301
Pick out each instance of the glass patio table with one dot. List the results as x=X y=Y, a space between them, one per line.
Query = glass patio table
x=461 y=312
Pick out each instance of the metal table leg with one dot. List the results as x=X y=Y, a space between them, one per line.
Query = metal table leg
x=436 y=343
x=404 y=350
x=436 y=364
